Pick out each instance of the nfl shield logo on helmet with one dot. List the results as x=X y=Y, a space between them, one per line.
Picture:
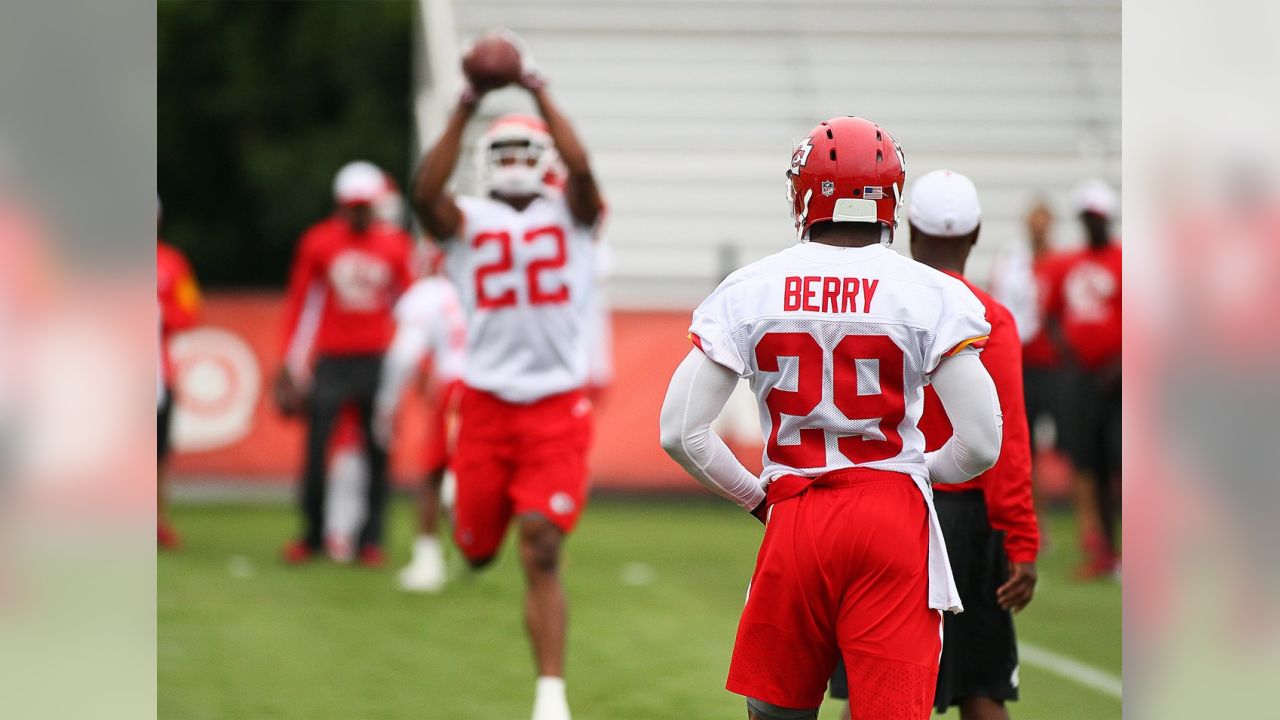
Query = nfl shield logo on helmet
x=828 y=188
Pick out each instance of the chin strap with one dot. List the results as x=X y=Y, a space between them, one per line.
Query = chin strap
x=886 y=236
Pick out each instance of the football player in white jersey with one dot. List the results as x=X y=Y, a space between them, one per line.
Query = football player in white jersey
x=837 y=336
x=522 y=259
x=429 y=323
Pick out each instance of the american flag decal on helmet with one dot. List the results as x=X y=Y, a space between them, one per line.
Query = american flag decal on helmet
x=871 y=192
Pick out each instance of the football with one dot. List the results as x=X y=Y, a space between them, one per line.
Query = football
x=491 y=62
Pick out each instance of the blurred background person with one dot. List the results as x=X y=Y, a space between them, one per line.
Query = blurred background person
x=178 y=294
x=430 y=329
x=1084 y=300
x=1013 y=280
x=348 y=272
x=348 y=473
x=1045 y=381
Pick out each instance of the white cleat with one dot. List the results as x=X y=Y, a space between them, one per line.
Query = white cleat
x=426 y=572
x=550 y=703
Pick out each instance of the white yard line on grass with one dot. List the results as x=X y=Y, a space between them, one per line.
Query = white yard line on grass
x=1078 y=672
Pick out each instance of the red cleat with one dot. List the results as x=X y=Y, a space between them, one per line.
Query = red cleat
x=371 y=556
x=1101 y=565
x=296 y=553
x=167 y=538
x=1099 y=561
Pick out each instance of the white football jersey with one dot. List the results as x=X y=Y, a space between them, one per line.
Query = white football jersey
x=526 y=282
x=432 y=303
x=837 y=344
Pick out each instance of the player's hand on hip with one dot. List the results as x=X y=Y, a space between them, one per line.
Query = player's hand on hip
x=1019 y=588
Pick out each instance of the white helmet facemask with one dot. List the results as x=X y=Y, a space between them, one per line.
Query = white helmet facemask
x=514 y=160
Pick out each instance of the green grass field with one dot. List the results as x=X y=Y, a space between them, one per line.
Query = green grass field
x=655 y=588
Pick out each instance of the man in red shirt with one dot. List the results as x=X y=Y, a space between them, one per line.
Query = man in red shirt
x=1043 y=376
x=179 y=299
x=1084 y=299
x=347 y=274
x=989 y=522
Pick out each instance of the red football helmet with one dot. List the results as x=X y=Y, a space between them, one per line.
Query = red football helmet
x=847 y=170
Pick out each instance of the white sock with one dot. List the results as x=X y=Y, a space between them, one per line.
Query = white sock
x=426 y=546
x=550 y=689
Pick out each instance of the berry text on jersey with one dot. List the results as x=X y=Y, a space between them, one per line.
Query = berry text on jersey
x=813 y=293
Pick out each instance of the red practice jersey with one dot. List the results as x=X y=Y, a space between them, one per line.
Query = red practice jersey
x=343 y=287
x=1006 y=487
x=1041 y=351
x=1085 y=299
x=179 y=298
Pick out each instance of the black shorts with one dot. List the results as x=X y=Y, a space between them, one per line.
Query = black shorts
x=1091 y=433
x=164 y=418
x=979 y=649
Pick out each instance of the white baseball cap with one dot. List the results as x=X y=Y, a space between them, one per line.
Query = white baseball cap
x=944 y=204
x=359 y=182
x=1096 y=196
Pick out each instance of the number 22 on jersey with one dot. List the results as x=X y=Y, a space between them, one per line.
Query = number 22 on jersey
x=538 y=293
x=885 y=408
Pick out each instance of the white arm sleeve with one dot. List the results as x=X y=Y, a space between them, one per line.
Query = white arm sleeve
x=970 y=399
x=407 y=350
x=448 y=343
x=698 y=392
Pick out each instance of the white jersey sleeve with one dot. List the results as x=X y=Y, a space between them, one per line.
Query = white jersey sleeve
x=428 y=323
x=449 y=336
x=961 y=325
x=713 y=326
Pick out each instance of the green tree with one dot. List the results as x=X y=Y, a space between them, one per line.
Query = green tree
x=259 y=105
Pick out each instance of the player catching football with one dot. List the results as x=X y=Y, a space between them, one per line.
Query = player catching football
x=522 y=259
x=838 y=336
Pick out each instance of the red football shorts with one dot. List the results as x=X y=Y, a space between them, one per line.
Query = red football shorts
x=516 y=459
x=843 y=569
x=442 y=409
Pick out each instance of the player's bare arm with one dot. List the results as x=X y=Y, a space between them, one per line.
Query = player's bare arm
x=433 y=205
x=581 y=191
